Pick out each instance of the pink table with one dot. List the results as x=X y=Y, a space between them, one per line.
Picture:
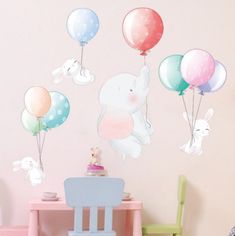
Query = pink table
x=133 y=215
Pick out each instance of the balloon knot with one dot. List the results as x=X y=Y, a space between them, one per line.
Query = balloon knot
x=83 y=43
x=181 y=93
x=143 y=53
x=201 y=93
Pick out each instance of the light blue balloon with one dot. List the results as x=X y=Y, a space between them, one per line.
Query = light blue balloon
x=82 y=25
x=58 y=112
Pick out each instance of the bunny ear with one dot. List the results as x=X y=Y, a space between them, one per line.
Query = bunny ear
x=188 y=117
x=209 y=114
x=57 y=75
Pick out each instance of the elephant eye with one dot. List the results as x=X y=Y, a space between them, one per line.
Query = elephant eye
x=131 y=90
x=197 y=129
x=207 y=129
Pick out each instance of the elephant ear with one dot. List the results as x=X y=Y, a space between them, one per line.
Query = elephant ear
x=115 y=125
x=209 y=114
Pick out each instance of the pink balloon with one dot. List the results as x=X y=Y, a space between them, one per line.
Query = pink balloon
x=37 y=101
x=142 y=29
x=197 y=67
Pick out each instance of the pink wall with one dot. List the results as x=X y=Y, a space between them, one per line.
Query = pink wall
x=34 y=41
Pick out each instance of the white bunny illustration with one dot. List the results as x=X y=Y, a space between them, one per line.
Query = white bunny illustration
x=201 y=129
x=122 y=121
x=72 y=69
x=34 y=172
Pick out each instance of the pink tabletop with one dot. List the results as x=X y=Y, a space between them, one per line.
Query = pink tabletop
x=38 y=204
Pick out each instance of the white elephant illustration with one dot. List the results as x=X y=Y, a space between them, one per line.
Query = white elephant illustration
x=73 y=69
x=201 y=129
x=121 y=121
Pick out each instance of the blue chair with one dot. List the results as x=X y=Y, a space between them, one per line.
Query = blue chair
x=92 y=193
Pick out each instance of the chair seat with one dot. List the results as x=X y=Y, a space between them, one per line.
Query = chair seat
x=87 y=233
x=162 y=229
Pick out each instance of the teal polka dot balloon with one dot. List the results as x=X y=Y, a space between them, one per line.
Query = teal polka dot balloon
x=58 y=112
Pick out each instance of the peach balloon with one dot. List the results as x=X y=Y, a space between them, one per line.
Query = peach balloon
x=37 y=101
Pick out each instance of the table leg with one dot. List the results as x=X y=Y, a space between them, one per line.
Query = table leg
x=137 y=223
x=129 y=225
x=33 y=223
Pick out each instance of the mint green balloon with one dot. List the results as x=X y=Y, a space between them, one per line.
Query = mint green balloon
x=31 y=123
x=170 y=74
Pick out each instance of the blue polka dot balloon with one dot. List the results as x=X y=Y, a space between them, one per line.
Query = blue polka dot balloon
x=82 y=25
x=58 y=112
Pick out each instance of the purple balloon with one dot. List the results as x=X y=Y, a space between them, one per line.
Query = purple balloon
x=216 y=81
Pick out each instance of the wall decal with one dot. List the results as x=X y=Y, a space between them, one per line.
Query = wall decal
x=32 y=168
x=195 y=71
x=82 y=26
x=58 y=112
x=217 y=80
x=201 y=129
x=37 y=101
x=197 y=67
x=170 y=74
x=142 y=29
x=72 y=69
x=43 y=111
x=121 y=121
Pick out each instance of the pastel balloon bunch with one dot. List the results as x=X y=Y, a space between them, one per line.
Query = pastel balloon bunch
x=197 y=70
x=43 y=111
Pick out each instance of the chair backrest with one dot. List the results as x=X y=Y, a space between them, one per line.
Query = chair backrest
x=181 y=198
x=93 y=192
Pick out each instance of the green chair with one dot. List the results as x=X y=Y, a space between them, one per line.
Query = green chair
x=174 y=229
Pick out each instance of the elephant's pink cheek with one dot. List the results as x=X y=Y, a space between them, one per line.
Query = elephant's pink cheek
x=133 y=99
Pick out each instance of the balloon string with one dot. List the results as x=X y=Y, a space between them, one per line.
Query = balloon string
x=43 y=141
x=198 y=108
x=186 y=110
x=193 y=105
x=40 y=145
x=192 y=136
x=81 y=61
x=146 y=113
x=37 y=143
x=144 y=60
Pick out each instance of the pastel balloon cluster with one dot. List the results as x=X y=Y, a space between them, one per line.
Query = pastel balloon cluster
x=196 y=69
x=44 y=110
